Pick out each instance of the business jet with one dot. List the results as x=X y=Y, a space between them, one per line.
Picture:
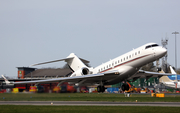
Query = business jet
x=168 y=82
x=123 y=68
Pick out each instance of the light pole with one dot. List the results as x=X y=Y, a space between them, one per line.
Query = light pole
x=175 y=55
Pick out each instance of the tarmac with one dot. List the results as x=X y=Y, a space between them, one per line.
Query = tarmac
x=90 y=103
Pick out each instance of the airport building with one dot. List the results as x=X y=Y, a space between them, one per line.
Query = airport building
x=47 y=73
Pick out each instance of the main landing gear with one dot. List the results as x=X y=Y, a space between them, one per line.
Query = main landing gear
x=125 y=86
x=100 y=89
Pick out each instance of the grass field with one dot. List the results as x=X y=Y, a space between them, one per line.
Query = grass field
x=86 y=109
x=85 y=97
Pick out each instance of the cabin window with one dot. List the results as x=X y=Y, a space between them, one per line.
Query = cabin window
x=138 y=52
x=129 y=56
x=135 y=53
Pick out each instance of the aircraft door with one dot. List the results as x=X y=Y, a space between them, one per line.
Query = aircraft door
x=112 y=64
x=154 y=51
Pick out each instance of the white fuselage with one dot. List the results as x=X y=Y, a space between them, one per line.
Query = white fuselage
x=129 y=63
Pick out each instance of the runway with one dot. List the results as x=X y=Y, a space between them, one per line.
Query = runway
x=90 y=103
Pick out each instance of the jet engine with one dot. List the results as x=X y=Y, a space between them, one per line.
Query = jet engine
x=81 y=72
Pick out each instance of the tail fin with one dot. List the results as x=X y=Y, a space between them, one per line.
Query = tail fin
x=75 y=63
x=172 y=71
x=7 y=82
x=164 y=79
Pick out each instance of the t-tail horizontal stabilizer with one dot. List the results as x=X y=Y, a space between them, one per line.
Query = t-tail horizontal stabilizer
x=65 y=59
x=7 y=82
x=72 y=60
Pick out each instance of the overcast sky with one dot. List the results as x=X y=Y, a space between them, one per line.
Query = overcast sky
x=35 y=31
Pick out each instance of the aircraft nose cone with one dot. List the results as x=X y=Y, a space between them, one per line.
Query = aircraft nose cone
x=162 y=52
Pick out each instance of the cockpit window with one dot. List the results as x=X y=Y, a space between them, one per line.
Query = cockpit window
x=154 y=45
x=149 y=46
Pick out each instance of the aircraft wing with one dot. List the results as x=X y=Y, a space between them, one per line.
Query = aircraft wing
x=147 y=75
x=93 y=78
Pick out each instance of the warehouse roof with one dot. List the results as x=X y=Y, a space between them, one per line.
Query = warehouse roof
x=50 y=72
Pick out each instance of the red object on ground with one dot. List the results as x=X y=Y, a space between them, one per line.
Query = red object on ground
x=3 y=91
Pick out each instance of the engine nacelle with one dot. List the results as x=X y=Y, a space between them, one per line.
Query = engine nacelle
x=81 y=72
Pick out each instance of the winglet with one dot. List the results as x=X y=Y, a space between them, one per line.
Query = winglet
x=172 y=71
x=7 y=82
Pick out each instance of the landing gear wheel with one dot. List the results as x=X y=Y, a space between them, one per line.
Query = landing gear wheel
x=125 y=87
x=101 y=89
